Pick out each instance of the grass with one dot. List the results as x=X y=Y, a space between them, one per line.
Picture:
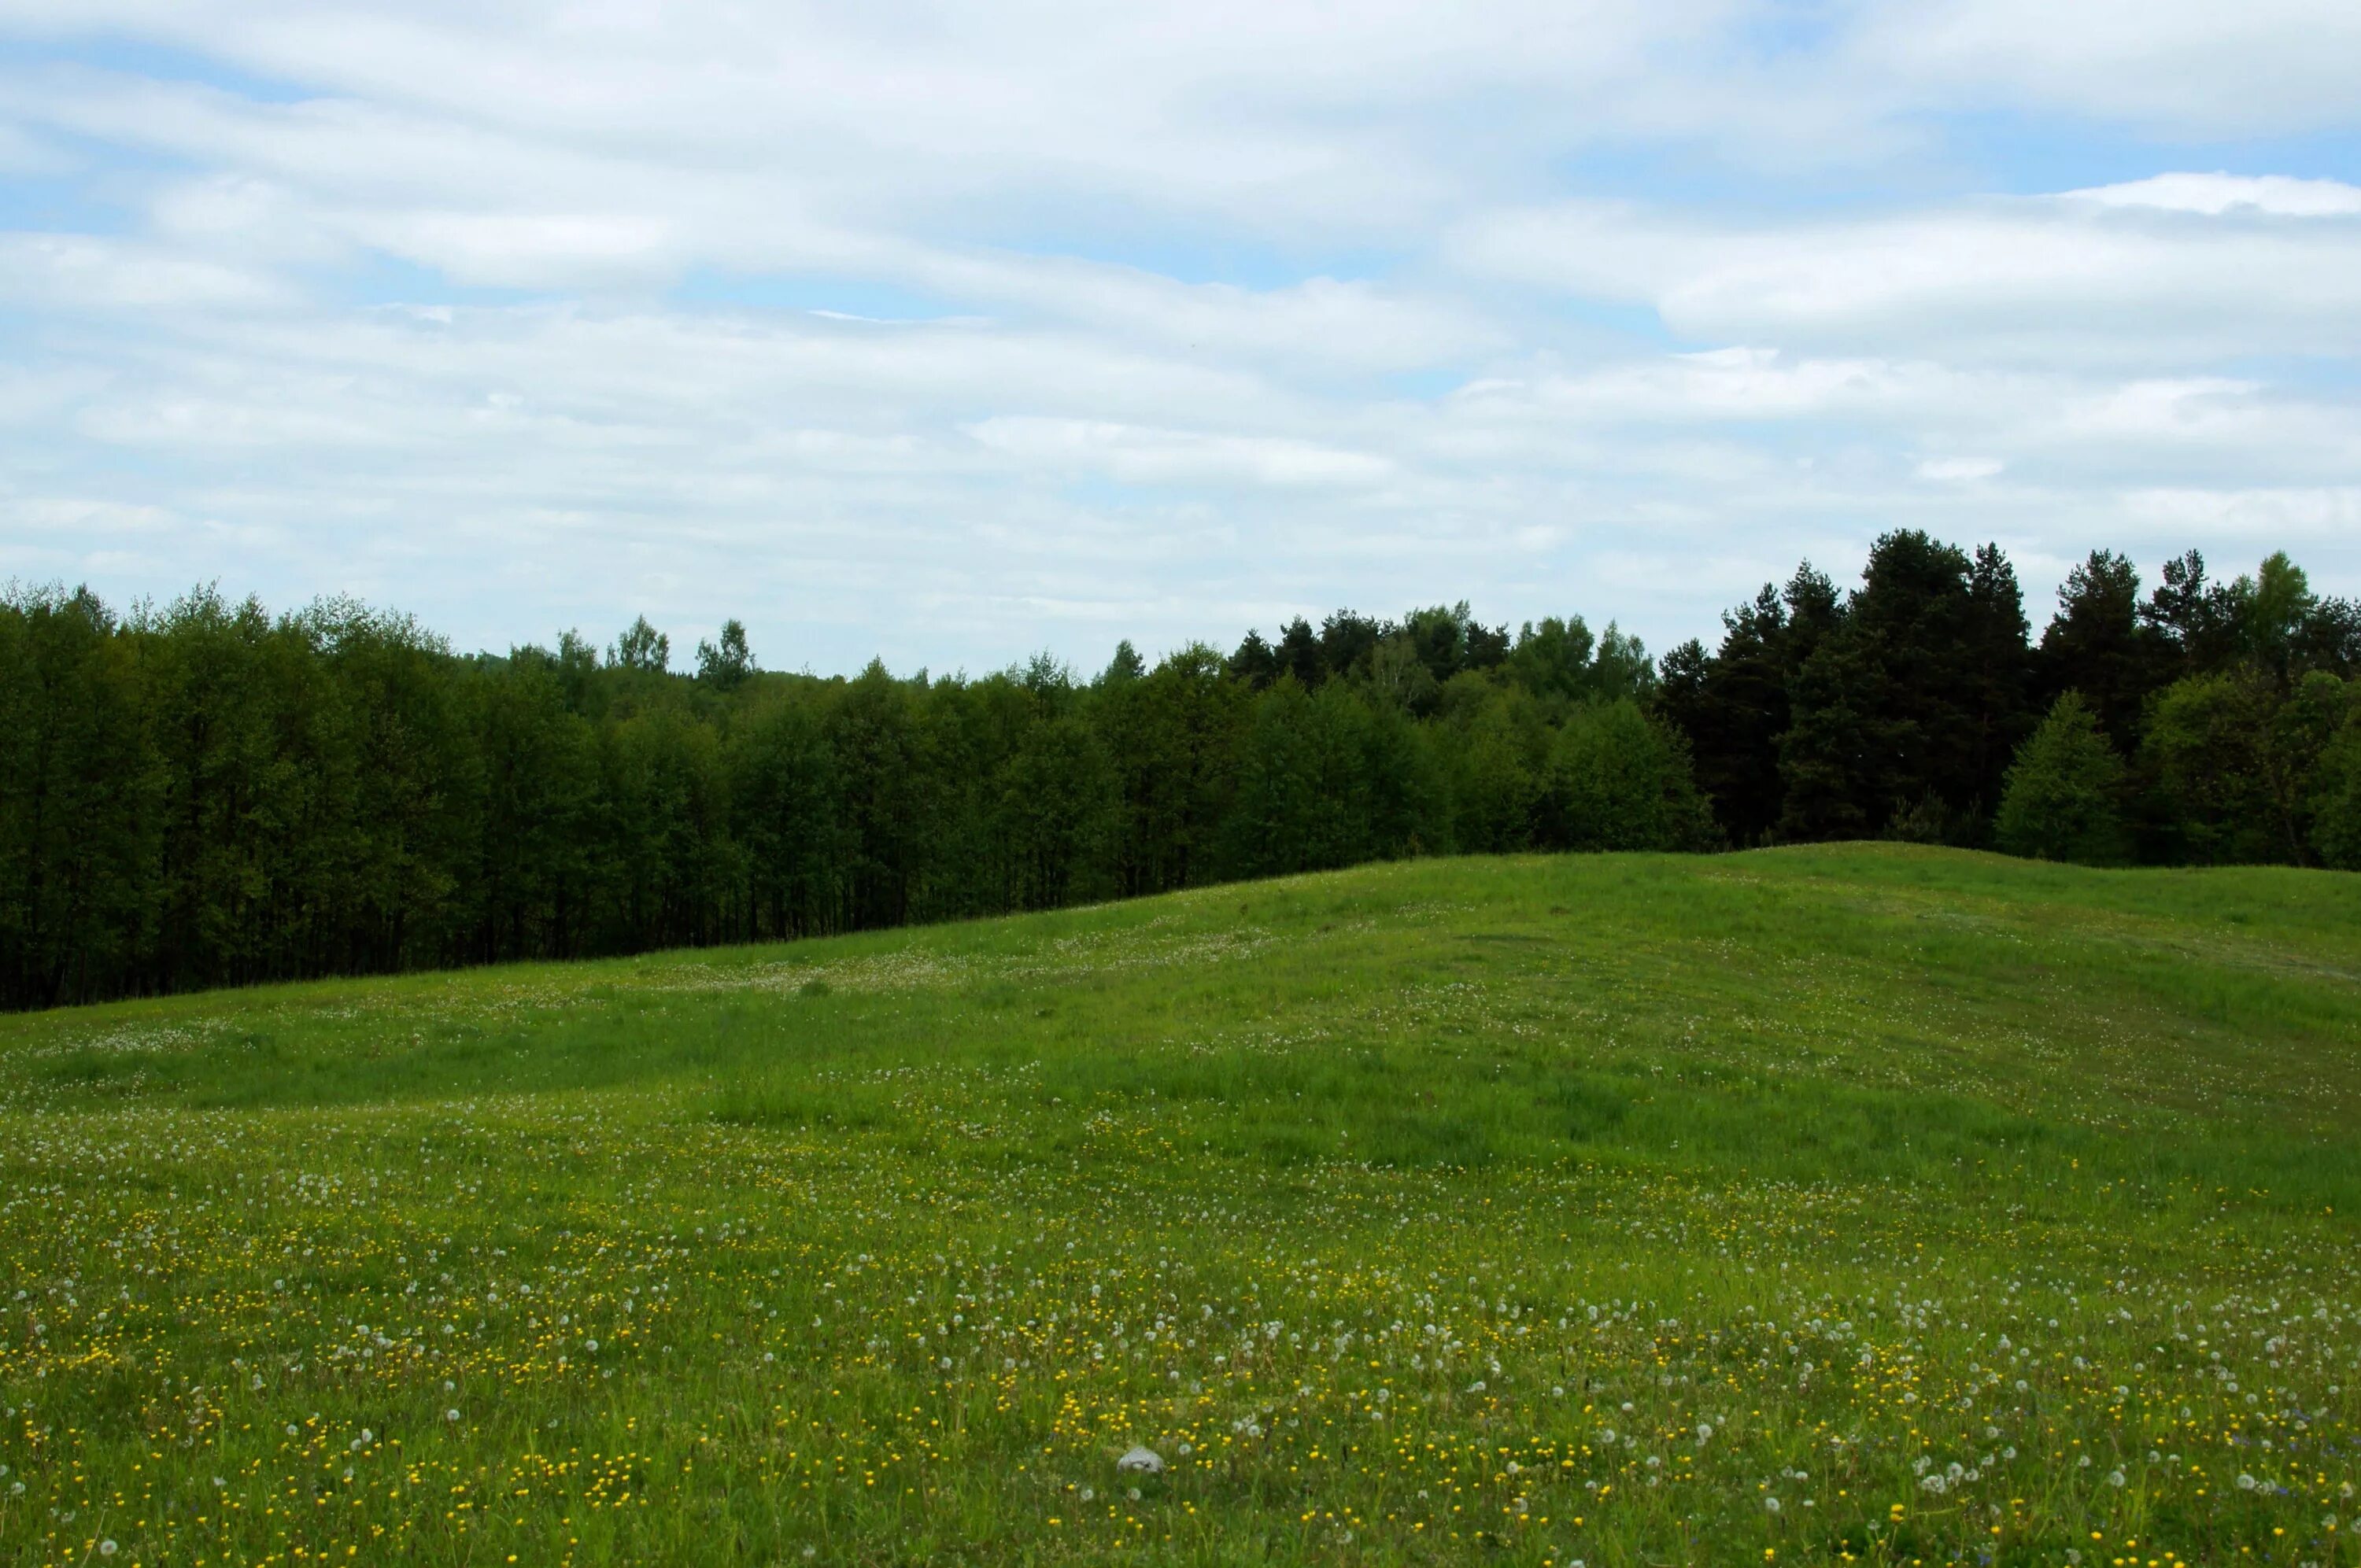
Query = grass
x=1862 y=1203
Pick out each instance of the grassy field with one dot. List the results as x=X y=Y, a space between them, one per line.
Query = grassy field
x=1865 y=1204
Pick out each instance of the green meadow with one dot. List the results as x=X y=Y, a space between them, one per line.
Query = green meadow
x=1862 y=1203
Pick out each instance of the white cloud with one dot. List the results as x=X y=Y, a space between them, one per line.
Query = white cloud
x=81 y=271
x=2059 y=280
x=1959 y=470
x=2215 y=194
x=1055 y=320
x=2185 y=67
x=1138 y=455
x=2263 y=518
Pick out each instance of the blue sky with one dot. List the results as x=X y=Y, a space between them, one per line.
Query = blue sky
x=951 y=333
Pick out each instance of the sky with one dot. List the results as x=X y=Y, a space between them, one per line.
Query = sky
x=949 y=333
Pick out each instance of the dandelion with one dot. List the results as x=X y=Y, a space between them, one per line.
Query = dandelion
x=451 y=1415
x=2115 y=1478
x=2246 y=1481
x=106 y=1549
x=1769 y=1505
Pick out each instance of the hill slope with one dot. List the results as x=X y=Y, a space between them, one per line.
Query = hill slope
x=1863 y=1199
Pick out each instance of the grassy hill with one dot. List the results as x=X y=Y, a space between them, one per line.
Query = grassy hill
x=1862 y=1203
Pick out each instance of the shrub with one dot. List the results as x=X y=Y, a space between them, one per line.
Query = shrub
x=1620 y=780
x=2063 y=799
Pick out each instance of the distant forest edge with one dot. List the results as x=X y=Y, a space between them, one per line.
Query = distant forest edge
x=201 y=794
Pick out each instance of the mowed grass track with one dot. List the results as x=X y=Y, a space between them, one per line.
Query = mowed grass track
x=1862 y=1203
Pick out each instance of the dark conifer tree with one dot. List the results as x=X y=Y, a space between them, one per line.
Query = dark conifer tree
x=2100 y=645
x=1346 y=640
x=1255 y=662
x=1299 y=653
x=1913 y=701
x=1127 y=664
x=1732 y=708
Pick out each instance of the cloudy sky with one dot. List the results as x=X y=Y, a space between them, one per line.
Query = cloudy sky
x=952 y=332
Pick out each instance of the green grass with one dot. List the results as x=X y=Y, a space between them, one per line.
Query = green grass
x=1374 y=1202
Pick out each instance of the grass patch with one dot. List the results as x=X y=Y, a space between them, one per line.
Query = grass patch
x=1526 y=1210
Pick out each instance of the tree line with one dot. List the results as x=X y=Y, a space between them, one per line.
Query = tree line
x=202 y=794
x=2208 y=723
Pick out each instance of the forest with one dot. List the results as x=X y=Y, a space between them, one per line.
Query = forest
x=202 y=794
